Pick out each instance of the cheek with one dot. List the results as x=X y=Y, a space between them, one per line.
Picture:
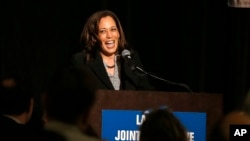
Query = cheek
x=101 y=41
x=101 y=38
x=118 y=35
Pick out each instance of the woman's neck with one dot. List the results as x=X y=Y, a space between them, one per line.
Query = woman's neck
x=109 y=60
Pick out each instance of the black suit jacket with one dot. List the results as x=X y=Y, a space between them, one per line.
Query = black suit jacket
x=13 y=131
x=130 y=80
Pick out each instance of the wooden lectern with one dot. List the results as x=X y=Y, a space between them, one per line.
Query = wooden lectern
x=210 y=103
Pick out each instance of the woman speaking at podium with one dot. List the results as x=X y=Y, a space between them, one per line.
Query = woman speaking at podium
x=106 y=54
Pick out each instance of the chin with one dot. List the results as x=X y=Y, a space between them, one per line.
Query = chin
x=111 y=51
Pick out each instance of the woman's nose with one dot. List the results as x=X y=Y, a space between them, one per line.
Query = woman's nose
x=109 y=34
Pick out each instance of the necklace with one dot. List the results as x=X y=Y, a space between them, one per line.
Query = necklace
x=110 y=67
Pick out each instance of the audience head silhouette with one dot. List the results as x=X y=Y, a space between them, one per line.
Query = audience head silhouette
x=238 y=116
x=70 y=94
x=161 y=124
x=16 y=109
x=16 y=100
x=67 y=104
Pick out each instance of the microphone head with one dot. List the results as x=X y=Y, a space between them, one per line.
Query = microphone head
x=125 y=52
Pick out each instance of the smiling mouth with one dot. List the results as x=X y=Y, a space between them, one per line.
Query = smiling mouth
x=110 y=44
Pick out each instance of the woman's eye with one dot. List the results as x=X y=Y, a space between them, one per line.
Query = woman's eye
x=102 y=31
x=113 y=29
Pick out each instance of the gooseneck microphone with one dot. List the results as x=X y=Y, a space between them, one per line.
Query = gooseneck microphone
x=127 y=57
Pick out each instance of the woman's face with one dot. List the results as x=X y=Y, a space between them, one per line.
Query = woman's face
x=108 y=35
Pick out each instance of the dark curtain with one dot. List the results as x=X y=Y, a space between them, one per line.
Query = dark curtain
x=202 y=43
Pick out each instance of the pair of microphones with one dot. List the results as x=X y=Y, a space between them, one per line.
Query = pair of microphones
x=127 y=57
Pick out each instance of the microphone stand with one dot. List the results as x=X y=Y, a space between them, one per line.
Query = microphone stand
x=167 y=81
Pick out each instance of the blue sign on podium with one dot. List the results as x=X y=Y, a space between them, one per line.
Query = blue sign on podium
x=123 y=125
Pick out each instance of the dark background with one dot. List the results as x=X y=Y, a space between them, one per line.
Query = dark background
x=202 y=43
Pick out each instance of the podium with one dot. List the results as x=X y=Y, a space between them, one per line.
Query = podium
x=209 y=103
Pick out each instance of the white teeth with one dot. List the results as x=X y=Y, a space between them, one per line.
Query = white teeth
x=109 y=42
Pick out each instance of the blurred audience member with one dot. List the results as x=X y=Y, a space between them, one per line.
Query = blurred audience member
x=161 y=124
x=16 y=108
x=67 y=104
x=238 y=116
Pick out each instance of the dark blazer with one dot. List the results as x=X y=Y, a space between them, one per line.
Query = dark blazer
x=13 y=131
x=130 y=80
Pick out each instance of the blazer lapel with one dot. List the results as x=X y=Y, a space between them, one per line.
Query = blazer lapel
x=98 y=68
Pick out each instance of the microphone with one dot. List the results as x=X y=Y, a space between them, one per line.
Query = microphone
x=126 y=55
x=167 y=81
